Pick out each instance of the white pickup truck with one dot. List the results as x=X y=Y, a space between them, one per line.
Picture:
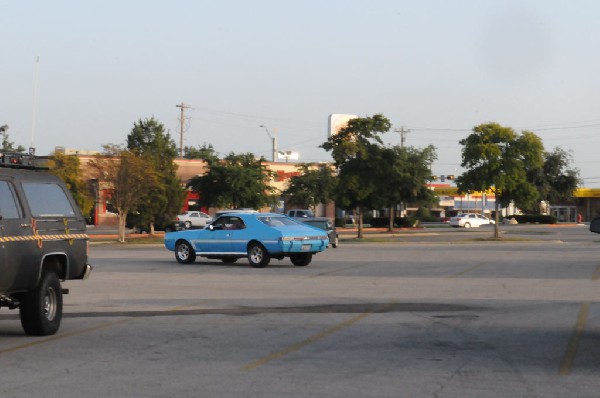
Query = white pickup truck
x=300 y=213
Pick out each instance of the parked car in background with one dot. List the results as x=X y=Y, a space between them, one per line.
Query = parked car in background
x=300 y=213
x=468 y=220
x=175 y=226
x=595 y=225
x=197 y=219
x=257 y=236
x=325 y=224
x=225 y=211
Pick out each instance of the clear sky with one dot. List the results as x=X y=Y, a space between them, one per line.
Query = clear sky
x=436 y=67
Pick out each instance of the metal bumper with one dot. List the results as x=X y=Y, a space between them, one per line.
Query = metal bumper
x=87 y=270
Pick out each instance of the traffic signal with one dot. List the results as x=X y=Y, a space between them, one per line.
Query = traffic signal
x=450 y=177
x=433 y=178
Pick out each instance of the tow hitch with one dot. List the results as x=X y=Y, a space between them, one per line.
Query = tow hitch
x=7 y=301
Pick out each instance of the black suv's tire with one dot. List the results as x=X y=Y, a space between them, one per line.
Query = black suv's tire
x=185 y=253
x=258 y=256
x=41 y=308
x=301 y=259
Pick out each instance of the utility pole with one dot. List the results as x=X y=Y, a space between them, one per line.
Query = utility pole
x=3 y=129
x=182 y=122
x=402 y=135
x=273 y=140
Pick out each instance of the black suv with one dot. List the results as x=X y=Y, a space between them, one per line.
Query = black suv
x=42 y=241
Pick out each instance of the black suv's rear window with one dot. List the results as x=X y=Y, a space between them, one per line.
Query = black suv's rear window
x=8 y=205
x=47 y=200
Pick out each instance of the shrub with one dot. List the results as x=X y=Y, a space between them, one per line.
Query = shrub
x=399 y=222
x=534 y=219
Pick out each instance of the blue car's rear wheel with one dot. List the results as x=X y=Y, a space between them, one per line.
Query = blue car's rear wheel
x=301 y=259
x=258 y=256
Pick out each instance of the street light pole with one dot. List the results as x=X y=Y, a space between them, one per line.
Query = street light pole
x=273 y=141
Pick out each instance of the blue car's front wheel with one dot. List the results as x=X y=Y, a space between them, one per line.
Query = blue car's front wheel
x=184 y=253
x=258 y=256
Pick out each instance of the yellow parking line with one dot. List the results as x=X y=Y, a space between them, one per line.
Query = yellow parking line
x=185 y=306
x=596 y=274
x=310 y=340
x=92 y=329
x=468 y=270
x=62 y=336
x=573 y=346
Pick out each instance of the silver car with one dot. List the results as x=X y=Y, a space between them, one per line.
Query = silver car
x=197 y=219
x=468 y=220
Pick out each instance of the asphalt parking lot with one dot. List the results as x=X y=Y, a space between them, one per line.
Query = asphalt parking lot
x=440 y=314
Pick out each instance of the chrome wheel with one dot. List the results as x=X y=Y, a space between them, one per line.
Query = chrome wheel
x=258 y=255
x=50 y=304
x=41 y=308
x=184 y=253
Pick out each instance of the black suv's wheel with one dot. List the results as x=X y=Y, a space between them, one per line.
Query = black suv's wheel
x=301 y=259
x=185 y=253
x=41 y=308
x=258 y=256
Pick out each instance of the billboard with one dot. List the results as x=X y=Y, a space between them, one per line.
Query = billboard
x=287 y=155
x=338 y=121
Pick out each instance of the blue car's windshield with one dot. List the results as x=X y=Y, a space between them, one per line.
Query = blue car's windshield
x=276 y=221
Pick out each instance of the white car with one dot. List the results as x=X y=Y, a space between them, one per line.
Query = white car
x=196 y=219
x=468 y=220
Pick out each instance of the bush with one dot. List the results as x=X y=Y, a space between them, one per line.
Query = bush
x=380 y=222
x=534 y=219
x=399 y=222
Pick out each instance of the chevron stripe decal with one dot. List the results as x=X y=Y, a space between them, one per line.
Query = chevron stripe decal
x=43 y=237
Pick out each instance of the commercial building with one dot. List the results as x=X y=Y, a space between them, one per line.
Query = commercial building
x=586 y=201
x=186 y=169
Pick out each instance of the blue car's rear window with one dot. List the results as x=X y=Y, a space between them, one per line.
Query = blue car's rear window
x=276 y=221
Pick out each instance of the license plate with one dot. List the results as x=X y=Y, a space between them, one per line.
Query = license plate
x=306 y=248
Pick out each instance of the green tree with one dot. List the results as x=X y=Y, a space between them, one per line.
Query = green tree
x=498 y=159
x=556 y=180
x=162 y=201
x=313 y=186
x=205 y=152
x=403 y=173
x=7 y=144
x=126 y=176
x=67 y=167
x=238 y=180
x=355 y=150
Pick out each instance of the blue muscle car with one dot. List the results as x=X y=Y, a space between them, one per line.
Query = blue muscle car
x=257 y=236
